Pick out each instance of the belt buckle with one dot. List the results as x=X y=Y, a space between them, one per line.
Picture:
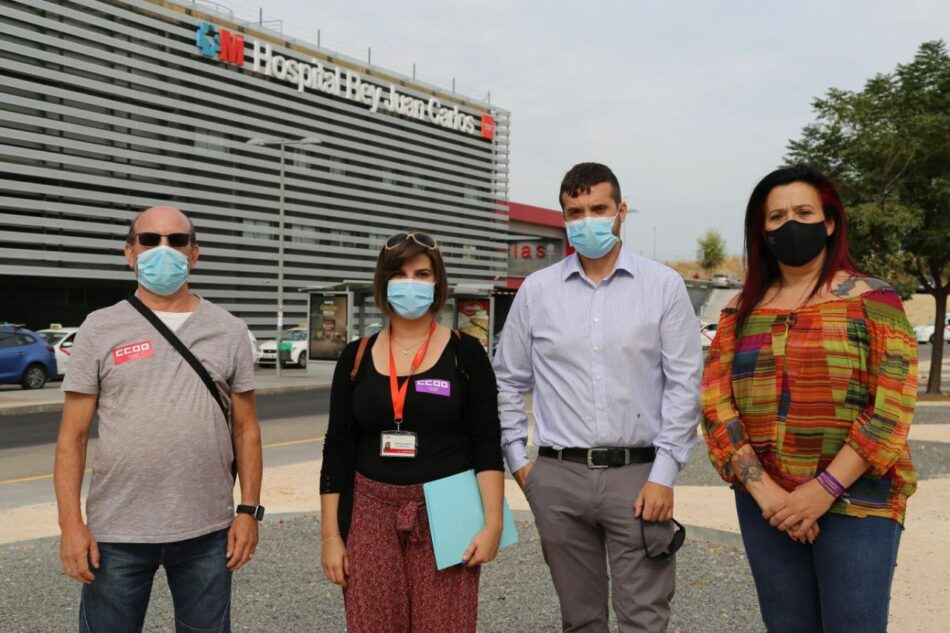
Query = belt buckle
x=590 y=453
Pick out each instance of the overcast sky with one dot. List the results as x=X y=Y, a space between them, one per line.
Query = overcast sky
x=690 y=103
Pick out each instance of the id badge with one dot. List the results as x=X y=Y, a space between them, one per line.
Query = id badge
x=397 y=444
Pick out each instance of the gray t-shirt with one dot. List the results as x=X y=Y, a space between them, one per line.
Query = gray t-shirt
x=162 y=470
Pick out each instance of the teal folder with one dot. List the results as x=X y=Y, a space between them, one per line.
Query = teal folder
x=454 y=506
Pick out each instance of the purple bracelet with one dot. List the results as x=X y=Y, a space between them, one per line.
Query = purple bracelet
x=830 y=484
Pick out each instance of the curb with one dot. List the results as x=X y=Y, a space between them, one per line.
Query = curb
x=934 y=403
x=56 y=406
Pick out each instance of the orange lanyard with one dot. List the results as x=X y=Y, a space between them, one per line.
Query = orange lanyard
x=399 y=393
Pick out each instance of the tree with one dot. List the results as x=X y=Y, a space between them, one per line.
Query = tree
x=712 y=250
x=888 y=148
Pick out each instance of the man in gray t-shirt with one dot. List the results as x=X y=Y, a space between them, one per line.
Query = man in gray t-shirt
x=162 y=489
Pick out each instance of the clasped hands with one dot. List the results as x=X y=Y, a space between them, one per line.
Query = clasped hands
x=796 y=513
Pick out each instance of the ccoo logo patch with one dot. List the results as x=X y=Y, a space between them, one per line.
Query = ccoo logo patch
x=135 y=351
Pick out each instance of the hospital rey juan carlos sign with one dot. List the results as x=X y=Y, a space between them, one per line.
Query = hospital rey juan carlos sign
x=229 y=47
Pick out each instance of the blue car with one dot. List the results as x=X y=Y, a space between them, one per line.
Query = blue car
x=25 y=358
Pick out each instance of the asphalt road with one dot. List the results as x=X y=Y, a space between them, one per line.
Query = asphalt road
x=19 y=431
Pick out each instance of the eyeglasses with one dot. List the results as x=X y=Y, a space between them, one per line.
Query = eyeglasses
x=679 y=537
x=422 y=239
x=175 y=240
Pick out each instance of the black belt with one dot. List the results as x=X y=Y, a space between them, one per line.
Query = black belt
x=603 y=457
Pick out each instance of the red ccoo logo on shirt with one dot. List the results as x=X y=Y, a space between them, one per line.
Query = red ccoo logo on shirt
x=135 y=351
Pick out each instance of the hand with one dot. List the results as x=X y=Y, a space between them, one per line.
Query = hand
x=771 y=497
x=336 y=564
x=77 y=549
x=242 y=541
x=484 y=547
x=803 y=506
x=521 y=475
x=654 y=503
x=800 y=535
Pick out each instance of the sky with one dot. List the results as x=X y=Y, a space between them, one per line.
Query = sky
x=690 y=103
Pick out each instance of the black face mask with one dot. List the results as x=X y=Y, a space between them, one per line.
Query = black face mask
x=796 y=243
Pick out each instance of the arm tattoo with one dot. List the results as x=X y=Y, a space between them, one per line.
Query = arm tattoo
x=748 y=467
x=846 y=287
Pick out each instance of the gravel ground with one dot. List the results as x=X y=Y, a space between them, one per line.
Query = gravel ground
x=283 y=590
x=932 y=415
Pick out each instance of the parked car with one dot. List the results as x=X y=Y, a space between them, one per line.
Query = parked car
x=25 y=357
x=296 y=339
x=722 y=280
x=62 y=339
x=255 y=347
x=707 y=332
x=925 y=333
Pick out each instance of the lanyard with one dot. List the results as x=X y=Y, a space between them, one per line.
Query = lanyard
x=399 y=393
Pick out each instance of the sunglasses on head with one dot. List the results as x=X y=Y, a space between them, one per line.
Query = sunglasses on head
x=175 y=240
x=422 y=239
x=679 y=537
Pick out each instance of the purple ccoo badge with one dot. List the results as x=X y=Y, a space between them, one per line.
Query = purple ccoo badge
x=434 y=386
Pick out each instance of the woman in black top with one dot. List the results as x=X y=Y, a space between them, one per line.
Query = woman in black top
x=386 y=438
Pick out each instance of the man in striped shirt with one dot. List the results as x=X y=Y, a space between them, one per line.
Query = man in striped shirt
x=608 y=342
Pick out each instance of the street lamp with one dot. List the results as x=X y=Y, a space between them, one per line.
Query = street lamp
x=629 y=211
x=282 y=143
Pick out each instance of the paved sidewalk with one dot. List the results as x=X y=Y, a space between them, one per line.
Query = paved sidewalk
x=713 y=570
x=317 y=375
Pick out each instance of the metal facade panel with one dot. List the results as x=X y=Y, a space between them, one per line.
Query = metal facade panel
x=109 y=108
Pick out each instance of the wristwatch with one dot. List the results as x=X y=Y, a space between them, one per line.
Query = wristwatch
x=255 y=511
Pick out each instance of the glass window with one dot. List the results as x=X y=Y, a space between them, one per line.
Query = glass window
x=52 y=337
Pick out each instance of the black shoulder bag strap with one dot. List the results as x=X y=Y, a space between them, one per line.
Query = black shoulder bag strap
x=190 y=358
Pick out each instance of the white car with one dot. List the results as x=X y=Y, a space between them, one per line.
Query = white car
x=298 y=338
x=924 y=333
x=255 y=347
x=707 y=332
x=722 y=280
x=62 y=339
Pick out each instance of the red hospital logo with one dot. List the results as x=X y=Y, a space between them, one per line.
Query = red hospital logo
x=221 y=43
x=135 y=351
x=488 y=126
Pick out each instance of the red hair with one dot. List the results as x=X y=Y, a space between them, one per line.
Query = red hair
x=762 y=268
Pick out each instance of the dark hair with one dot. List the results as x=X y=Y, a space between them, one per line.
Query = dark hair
x=583 y=176
x=762 y=267
x=130 y=236
x=389 y=264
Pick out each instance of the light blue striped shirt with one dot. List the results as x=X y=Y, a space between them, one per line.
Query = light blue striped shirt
x=615 y=364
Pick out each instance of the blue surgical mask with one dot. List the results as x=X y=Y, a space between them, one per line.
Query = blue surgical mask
x=592 y=237
x=410 y=298
x=162 y=270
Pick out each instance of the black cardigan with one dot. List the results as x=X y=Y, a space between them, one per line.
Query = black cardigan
x=479 y=397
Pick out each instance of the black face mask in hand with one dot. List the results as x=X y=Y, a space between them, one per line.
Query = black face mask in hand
x=796 y=243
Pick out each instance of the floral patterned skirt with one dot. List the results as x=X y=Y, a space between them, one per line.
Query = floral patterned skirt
x=393 y=585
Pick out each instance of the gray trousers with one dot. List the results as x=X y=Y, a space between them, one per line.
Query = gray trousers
x=585 y=517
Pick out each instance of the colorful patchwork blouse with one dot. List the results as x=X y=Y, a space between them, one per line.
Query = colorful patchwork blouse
x=799 y=384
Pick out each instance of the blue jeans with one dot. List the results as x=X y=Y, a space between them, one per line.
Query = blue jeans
x=198 y=577
x=839 y=584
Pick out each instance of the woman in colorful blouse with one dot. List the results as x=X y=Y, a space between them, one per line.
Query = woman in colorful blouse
x=808 y=394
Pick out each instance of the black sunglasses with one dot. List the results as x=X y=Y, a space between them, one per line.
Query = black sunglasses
x=175 y=240
x=679 y=537
x=422 y=239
